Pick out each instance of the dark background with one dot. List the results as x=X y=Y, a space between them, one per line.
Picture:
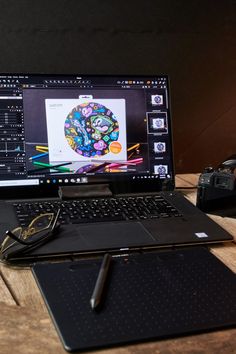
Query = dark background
x=194 y=42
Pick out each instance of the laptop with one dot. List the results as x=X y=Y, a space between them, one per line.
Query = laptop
x=91 y=146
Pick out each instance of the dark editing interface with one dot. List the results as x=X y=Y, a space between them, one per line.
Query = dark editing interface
x=72 y=129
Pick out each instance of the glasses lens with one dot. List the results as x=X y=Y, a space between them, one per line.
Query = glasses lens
x=42 y=221
x=38 y=225
x=7 y=242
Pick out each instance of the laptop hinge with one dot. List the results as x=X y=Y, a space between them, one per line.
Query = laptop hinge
x=84 y=191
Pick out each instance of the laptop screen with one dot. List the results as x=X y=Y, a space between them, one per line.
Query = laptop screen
x=78 y=129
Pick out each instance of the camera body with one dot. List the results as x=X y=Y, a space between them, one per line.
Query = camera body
x=217 y=187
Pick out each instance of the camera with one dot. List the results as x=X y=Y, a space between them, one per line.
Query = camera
x=217 y=187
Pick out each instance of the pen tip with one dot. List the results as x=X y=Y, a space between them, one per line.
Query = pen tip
x=93 y=304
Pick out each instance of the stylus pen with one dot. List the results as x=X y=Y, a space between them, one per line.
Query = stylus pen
x=98 y=292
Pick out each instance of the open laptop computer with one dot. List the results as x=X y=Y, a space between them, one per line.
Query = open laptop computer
x=102 y=137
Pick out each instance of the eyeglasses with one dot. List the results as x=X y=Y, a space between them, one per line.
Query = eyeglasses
x=21 y=240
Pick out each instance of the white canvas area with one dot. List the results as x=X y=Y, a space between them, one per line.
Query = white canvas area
x=57 y=111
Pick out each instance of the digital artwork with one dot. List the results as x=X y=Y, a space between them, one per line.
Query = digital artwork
x=92 y=129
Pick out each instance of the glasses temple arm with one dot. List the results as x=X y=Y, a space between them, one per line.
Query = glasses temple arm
x=10 y=234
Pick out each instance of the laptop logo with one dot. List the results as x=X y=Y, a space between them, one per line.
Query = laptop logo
x=201 y=234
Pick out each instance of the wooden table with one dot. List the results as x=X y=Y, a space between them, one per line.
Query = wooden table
x=25 y=325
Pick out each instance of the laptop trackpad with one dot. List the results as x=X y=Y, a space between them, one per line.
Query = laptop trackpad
x=95 y=237
x=114 y=234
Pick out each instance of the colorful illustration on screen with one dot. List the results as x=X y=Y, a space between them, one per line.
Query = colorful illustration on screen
x=92 y=130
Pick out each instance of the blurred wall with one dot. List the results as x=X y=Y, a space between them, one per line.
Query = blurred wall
x=192 y=41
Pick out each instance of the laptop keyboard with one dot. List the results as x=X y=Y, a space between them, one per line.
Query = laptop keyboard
x=99 y=209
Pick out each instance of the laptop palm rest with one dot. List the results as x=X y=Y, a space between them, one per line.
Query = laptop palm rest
x=99 y=236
